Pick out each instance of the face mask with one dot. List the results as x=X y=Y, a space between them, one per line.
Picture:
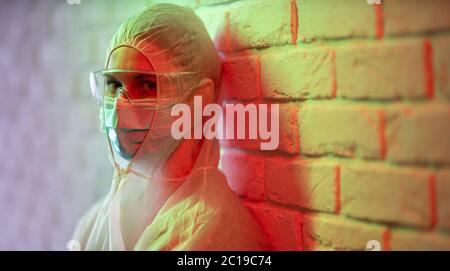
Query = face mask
x=140 y=138
x=125 y=125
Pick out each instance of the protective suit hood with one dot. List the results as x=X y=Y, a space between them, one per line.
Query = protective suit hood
x=170 y=35
x=172 y=39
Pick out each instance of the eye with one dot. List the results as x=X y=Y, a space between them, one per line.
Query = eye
x=149 y=86
x=112 y=86
x=146 y=89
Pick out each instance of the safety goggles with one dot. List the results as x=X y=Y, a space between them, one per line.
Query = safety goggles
x=143 y=88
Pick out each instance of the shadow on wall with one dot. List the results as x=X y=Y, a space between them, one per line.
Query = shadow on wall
x=265 y=181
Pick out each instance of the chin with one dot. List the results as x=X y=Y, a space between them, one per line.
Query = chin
x=129 y=142
x=130 y=149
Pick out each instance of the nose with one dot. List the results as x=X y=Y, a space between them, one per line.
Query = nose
x=123 y=95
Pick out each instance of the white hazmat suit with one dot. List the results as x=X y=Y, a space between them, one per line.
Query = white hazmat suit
x=143 y=212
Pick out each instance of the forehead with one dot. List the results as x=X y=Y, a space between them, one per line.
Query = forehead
x=128 y=58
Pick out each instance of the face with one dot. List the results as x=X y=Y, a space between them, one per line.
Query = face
x=137 y=86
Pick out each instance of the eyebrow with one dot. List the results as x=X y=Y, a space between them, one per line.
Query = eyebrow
x=110 y=76
x=144 y=76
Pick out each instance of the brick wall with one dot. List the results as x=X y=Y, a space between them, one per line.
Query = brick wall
x=364 y=148
x=364 y=94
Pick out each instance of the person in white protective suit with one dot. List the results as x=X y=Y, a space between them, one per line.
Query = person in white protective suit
x=166 y=194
